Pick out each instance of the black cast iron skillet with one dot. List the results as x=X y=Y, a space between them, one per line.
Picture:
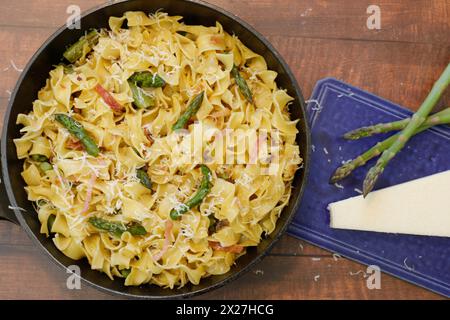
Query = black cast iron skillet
x=12 y=191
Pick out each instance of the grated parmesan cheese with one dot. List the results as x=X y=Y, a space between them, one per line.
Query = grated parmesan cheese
x=339 y=186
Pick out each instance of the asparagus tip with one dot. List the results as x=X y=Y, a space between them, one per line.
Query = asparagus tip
x=371 y=179
x=358 y=133
x=174 y=215
x=340 y=173
x=334 y=177
x=350 y=135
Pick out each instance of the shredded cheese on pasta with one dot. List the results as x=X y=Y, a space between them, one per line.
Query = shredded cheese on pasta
x=190 y=59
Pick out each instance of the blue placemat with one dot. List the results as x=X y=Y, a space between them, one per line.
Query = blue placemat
x=335 y=108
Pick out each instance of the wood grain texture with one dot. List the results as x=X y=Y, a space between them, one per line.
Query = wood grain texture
x=403 y=21
x=317 y=274
x=318 y=39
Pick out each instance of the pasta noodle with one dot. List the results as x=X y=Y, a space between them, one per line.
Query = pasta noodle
x=244 y=201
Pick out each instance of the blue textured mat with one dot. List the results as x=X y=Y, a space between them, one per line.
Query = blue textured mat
x=335 y=108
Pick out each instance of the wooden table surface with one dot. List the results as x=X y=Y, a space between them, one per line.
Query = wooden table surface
x=318 y=39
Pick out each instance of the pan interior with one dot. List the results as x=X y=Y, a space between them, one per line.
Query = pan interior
x=50 y=54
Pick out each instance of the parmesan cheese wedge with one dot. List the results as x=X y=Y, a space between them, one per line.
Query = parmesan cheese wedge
x=419 y=207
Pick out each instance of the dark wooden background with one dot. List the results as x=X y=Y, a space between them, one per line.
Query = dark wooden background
x=318 y=39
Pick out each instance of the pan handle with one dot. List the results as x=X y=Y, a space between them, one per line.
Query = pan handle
x=5 y=212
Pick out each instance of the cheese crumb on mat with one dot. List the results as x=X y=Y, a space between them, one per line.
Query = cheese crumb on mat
x=339 y=186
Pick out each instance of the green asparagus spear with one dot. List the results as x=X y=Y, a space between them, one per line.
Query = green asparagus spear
x=117 y=228
x=136 y=229
x=347 y=168
x=343 y=171
x=68 y=68
x=205 y=188
x=144 y=179
x=146 y=79
x=125 y=272
x=190 y=111
x=76 y=50
x=212 y=224
x=416 y=121
x=45 y=166
x=242 y=84
x=140 y=99
x=391 y=126
x=41 y=202
x=76 y=129
x=375 y=129
x=39 y=158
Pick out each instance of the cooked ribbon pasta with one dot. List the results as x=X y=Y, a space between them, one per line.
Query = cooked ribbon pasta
x=105 y=167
